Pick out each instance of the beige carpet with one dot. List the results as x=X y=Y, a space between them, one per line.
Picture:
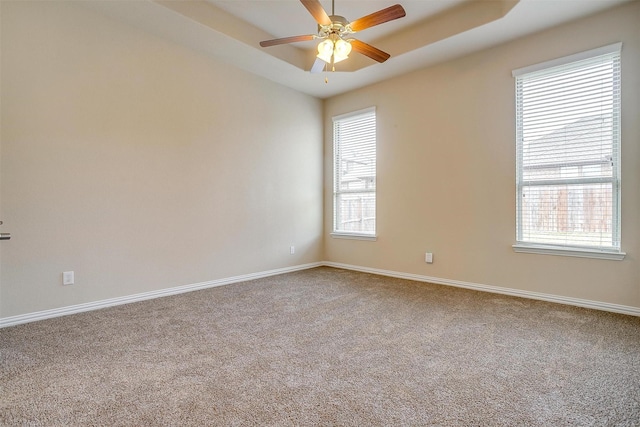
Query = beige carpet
x=325 y=347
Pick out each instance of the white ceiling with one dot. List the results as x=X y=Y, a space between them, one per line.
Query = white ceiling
x=283 y=18
x=433 y=31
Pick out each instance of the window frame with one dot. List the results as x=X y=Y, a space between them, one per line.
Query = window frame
x=614 y=252
x=337 y=191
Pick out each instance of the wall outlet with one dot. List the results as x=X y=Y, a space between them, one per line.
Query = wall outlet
x=292 y=249
x=428 y=258
x=67 y=278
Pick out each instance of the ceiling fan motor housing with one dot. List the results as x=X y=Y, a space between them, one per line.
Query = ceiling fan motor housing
x=339 y=26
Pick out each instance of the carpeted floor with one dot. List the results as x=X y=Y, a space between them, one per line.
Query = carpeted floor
x=325 y=347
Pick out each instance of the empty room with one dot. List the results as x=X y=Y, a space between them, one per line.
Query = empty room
x=316 y=212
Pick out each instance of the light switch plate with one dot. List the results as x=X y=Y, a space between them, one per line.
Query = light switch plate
x=67 y=278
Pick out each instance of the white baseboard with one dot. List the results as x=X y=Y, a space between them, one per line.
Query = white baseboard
x=96 y=305
x=597 y=305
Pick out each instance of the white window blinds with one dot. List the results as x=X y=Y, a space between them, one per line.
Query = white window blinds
x=354 y=188
x=568 y=151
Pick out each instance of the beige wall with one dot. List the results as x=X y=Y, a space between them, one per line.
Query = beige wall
x=446 y=169
x=142 y=165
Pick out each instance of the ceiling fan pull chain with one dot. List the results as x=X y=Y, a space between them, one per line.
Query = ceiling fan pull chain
x=326 y=78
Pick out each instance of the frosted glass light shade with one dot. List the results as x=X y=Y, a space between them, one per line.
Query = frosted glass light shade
x=325 y=50
x=341 y=51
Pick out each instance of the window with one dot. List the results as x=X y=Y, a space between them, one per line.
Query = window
x=568 y=155
x=354 y=171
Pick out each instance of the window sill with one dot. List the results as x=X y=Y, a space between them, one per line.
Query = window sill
x=574 y=252
x=354 y=236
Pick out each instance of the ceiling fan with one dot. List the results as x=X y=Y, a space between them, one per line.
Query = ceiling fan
x=335 y=31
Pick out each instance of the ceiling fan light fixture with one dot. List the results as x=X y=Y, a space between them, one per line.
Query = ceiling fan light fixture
x=341 y=51
x=325 y=50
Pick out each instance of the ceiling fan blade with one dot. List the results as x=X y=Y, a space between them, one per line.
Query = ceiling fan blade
x=379 y=17
x=285 y=40
x=368 y=50
x=317 y=11
x=318 y=66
